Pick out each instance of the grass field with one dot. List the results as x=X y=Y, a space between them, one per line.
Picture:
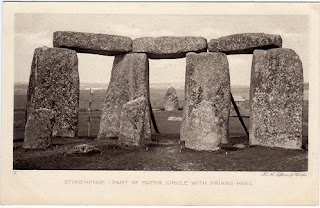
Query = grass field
x=164 y=154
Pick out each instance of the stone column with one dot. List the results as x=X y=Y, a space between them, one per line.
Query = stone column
x=129 y=81
x=276 y=99
x=207 y=107
x=54 y=84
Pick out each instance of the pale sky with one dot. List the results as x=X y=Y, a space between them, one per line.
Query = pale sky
x=36 y=30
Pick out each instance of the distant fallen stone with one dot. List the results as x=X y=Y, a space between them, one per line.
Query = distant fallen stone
x=171 y=102
x=244 y=43
x=83 y=149
x=169 y=47
x=240 y=146
x=172 y=118
x=92 y=43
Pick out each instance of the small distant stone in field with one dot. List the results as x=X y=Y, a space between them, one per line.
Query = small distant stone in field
x=38 y=129
x=83 y=149
x=172 y=118
x=171 y=102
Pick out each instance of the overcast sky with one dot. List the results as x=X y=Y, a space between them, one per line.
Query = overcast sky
x=36 y=30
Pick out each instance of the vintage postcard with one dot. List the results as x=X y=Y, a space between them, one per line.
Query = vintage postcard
x=132 y=103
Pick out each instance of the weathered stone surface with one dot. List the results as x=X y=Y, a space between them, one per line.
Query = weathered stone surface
x=207 y=108
x=129 y=80
x=169 y=47
x=244 y=43
x=132 y=122
x=276 y=97
x=85 y=149
x=92 y=43
x=38 y=129
x=54 y=84
x=171 y=102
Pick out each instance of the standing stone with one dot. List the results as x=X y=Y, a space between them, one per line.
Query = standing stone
x=207 y=108
x=171 y=102
x=132 y=122
x=102 y=44
x=54 y=84
x=129 y=80
x=38 y=129
x=276 y=99
x=244 y=43
x=169 y=47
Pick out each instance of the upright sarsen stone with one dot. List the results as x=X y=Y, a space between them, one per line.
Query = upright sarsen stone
x=92 y=43
x=54 y=84
x=171 y=102
x=129 y=80
x=276 y=99
x=38 y=130
x=244 y=43
x=207 y=108
x=169 y=47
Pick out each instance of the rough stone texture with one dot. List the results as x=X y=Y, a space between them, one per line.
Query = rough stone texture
x=207 y=108
x=276 y=98
x=244 y=43
x=54 y=84
x=85 y=149
x=129 y=80
x=132 y=122
x=171 y=102
x=169 y=47
x=38 y=129
x=92 y=43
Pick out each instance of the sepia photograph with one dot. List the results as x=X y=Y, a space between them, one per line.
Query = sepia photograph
x=147 y=92
x=188 y=92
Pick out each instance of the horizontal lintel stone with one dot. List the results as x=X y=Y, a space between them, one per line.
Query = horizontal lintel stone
x=169 y=47
x=244 y=43
x=102 y=44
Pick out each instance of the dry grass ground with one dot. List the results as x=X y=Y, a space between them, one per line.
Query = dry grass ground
x=161 y=156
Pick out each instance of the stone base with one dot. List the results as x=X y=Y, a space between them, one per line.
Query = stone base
x=38 y=129
x=132 y=123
